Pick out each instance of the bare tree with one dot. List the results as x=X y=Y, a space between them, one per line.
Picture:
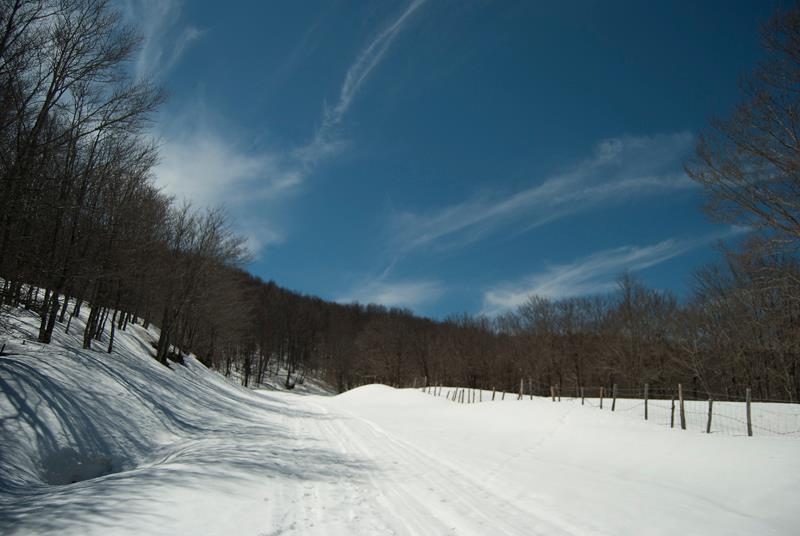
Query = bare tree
x=749 y=163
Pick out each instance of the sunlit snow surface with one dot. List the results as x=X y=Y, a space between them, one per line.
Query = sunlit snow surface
x=184 y=451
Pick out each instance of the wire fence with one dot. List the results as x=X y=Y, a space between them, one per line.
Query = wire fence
x=678 y=408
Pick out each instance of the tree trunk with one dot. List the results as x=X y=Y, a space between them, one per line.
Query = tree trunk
x=162 y=348
x=111 y=336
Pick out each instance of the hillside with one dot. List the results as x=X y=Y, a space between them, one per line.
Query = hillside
x=95 y=443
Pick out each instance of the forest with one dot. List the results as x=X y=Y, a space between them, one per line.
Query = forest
x=85 y=229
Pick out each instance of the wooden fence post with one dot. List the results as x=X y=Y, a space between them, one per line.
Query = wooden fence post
x=683 y=411
x=415 y=382
x=480 y=395
x=646 y=389
x=601 y=396
x=530 y=387
x=581 y=396
x=553 y=393
x=672 y=413
x=710 y=412
x=493 y=391
x=558 y=392
x=749 y=417
x=614 y=397
x=504 y=395
x=521 y=388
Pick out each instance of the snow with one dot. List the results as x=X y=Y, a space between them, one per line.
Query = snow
x=154 y=450
x=275 y=380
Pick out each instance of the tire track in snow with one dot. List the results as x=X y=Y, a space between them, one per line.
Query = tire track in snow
x=336 y=505
x=387 y=501
x=440 y=498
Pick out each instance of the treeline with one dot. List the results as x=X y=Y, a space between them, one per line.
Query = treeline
x=732 y=333
x=80 y=216
x=85 y=231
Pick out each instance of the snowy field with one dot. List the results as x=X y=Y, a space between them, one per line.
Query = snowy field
x=184 y=451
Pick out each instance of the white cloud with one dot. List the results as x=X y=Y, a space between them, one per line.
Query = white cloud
x=258 y=236
x=594 y=274
x=619 y=169
x=395 y=294
x=202 y=165
x=164 y=39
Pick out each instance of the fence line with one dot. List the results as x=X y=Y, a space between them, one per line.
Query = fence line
x=676 y=407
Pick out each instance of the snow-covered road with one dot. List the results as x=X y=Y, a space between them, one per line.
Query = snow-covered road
x=401 y=489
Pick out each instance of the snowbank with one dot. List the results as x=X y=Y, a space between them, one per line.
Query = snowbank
x=69 y=415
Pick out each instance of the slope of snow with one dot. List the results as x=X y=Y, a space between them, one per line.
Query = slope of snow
x=183 y=451
x=176 y=441
x=275 y=380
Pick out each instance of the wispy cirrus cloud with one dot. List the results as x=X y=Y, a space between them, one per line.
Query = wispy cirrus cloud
x=204 y=160
x=593 y=274
x=251 y=175
x=409 y=293
x=619 y=169
x=382 y=290
x=164 y=38
x=326 y=140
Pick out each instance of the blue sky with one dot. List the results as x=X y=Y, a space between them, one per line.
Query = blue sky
x=449 y=156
